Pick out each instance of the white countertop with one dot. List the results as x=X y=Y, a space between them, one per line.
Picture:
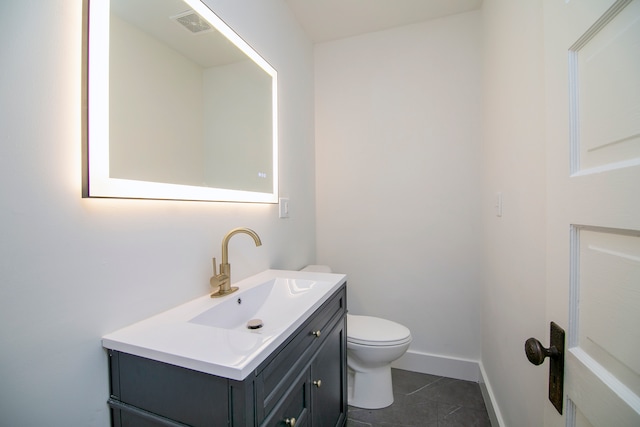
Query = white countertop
x=172 y=338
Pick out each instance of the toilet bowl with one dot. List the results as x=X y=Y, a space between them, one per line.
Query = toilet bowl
x=372 y=344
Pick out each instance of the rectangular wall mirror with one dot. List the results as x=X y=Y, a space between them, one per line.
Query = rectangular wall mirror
x=177 y=106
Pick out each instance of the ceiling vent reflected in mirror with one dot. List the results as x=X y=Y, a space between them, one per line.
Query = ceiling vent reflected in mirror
x=192 y=22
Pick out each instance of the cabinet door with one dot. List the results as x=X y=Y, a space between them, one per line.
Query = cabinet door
x=329 y=380
x=293 y=409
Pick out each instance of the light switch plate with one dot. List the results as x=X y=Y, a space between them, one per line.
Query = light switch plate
x=283 y=204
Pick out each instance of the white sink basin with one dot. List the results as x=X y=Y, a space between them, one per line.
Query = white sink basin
x=211 y=335
x=273 y=304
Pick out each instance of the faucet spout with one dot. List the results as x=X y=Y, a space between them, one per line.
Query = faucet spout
x=223 y=280
x=225 y=241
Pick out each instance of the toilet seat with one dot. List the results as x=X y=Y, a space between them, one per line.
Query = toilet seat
x=375 y=332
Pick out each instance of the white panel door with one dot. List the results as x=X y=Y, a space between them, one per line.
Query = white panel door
x=592 y=72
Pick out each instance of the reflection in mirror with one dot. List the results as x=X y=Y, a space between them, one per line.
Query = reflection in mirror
x=180 y=107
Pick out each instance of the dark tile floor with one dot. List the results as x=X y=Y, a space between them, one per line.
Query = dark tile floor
x=422 y=400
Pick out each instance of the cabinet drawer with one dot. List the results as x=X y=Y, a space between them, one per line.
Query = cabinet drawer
x=169 y=391
x=294 y=406
x=129 y=416
x=279 y=371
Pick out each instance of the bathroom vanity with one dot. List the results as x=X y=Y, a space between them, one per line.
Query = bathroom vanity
x=291 y=374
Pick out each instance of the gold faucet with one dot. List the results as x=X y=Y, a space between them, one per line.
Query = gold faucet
x=223 y=280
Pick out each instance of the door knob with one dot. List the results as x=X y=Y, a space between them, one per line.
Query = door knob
x=536 y=353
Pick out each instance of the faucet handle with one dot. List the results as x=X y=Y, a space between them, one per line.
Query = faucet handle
x=215 y=269
x=218 y=280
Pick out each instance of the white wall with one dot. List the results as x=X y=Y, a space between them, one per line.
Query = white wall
x=398 y=155
x=72 y=269
x=513 y=255
x=143 y=123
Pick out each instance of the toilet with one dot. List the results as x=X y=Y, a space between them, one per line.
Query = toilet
x=372 y=344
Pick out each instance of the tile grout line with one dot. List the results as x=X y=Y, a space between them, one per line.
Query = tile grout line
x=425 y=386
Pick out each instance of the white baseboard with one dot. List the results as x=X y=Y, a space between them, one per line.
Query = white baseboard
x=489 y=400
x=461 y=369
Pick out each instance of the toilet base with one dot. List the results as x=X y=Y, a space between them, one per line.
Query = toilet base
x=371 y=389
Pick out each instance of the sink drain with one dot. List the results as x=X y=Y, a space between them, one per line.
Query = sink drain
x=254 y=324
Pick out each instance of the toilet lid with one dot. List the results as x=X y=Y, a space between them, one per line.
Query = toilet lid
x=369 y=330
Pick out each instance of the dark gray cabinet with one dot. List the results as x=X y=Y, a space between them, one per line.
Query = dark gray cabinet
x=302 y=383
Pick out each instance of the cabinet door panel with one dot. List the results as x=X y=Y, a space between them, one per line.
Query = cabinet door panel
x=294 y=407
x=328 y=380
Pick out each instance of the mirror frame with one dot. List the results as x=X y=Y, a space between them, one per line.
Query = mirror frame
x=96 y=181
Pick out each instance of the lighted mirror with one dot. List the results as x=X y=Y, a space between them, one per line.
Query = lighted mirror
x=178 y=106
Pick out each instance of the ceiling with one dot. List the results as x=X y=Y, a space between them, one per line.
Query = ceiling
x=325 y=20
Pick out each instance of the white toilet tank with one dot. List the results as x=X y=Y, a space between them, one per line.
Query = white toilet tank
x=317 y=269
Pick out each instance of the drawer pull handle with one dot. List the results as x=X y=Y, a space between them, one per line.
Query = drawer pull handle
x=317 y=383
x=290 y=422
x=316 y=333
